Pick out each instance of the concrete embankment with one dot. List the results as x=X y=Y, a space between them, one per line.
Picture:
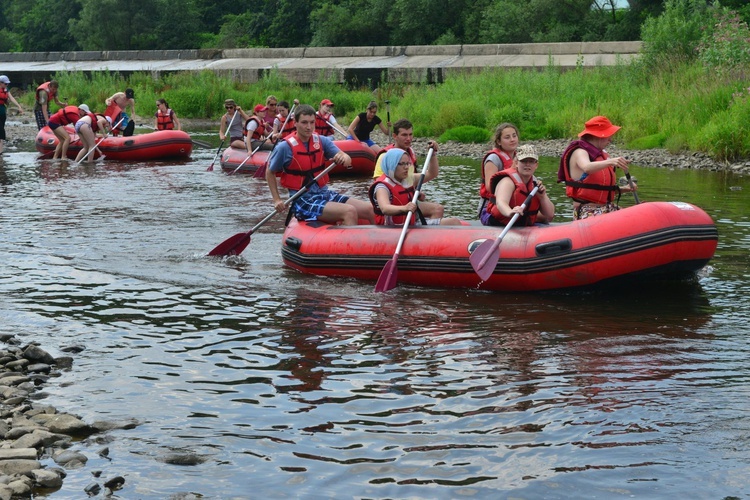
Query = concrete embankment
x=353 y=65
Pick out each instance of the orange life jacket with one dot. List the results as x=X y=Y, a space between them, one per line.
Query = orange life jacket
x=259 y=129
x=289 y=128
x=65 y=116
x=598 y=187
x=322 y=127
x=50 y=93
x=507 y=163
x=307 y=161
x=164 y=121
x=3 y=96
x=517 y=198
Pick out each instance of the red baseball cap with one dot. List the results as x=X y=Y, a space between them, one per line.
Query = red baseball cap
x=326 y=102
x=259 y=108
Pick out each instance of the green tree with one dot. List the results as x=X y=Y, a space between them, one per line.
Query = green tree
x=351 y=23
x=675 y=34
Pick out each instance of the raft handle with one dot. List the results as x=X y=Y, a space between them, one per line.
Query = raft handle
x=294 y=243
x=554 y=248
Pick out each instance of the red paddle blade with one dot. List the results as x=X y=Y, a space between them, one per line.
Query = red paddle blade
x=234 y=245
x=484 y=259
x=388 y=276
x=261 y=172
x=210 y=168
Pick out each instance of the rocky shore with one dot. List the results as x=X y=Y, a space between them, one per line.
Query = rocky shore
x=21 y=128
x=33 y=433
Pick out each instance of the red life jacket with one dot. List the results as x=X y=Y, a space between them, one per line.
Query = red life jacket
x=507 y=163
x=287 y=129
x=3 y=97
x=114 y=112
x=51 y=94
x=164 y=121
x=322 y=127
x=517 y=198
x=259 y=129
x=400 y=195
x=598 y=187
x=65 y=116
x=307 y=162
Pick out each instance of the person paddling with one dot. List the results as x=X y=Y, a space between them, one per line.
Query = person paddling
x=589 y=173
x=298 y=159
x=512 y=185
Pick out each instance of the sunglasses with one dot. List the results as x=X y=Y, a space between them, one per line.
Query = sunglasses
x=228 y=107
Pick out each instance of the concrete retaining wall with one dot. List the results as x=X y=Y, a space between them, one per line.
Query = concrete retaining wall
x=358 y=65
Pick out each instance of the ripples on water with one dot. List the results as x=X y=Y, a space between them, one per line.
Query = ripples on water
x=289 y=385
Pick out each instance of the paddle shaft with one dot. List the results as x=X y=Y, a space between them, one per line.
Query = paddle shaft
x=632 y=187
x=509 y=225
x=100 y=141
x=334 y=127
x=415 y=199
x=388 y=118
x=228 y=246
x=261 y=172
x=296 y=195
x=211 y=167
x=249 y=156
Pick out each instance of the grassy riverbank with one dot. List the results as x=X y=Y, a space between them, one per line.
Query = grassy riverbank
x=684 y=108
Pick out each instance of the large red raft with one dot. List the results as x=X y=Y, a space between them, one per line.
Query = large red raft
x=363 y=160
x=158 y=145
x=650 y=241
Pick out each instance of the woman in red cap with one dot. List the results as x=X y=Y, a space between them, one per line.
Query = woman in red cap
x=589 y=173
x=325 y=122
x=255 y=131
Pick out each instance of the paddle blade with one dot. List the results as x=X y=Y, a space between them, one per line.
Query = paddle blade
x=210 y=168
x=261 y=172
x=234 y=245
x=484 y=259
x=388 y=276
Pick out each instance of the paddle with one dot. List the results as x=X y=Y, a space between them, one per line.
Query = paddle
x=389 y=275
x=632 y=187
x=261 y=171
x=334 y=127
x=234 y=245
x=484 y=258
x=388 y=117
x=211 y=167
x=96 y=146
x=201 y=143
x=249 y=156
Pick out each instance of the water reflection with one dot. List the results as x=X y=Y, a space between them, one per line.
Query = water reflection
x=323 y=388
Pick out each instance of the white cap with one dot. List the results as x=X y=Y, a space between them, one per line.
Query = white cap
x=84 y=107
x=5 y=79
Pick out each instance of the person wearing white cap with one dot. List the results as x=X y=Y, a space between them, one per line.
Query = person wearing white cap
x=5 y=96
x=511 y=188
x=86 y=128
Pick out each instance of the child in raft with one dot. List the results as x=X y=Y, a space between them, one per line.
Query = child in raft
x=391 y=194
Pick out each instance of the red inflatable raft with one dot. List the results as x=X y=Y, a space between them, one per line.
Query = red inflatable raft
x=157 y=145
x=648 y=241
x=363 y=160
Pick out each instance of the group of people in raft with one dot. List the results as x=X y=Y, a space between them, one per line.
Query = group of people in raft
x=508 y=177
x=275 y=120
x=114 y=120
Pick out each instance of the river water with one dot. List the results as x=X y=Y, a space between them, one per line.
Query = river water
x=275 y=384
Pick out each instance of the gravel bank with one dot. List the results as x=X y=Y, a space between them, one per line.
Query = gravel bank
x=22 y=128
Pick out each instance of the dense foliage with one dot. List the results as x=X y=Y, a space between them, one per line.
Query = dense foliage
x=65 y=25
x=689 y=91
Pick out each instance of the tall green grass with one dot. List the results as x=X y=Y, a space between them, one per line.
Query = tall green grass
x=685 y=107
